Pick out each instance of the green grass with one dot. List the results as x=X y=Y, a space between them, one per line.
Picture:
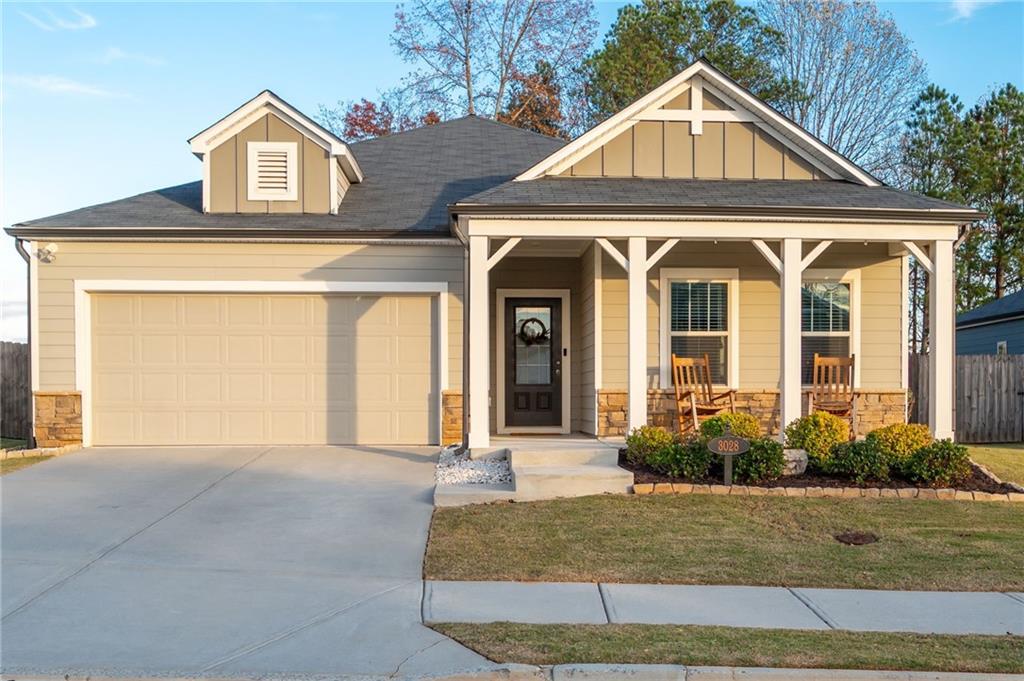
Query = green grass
x=704 y=539
x=741 y=647
x=1006 y=461
x=11 y=443
x=17 y=463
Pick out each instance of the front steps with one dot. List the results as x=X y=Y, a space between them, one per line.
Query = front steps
x=547 y=469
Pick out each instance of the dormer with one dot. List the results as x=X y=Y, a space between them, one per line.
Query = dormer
x=268 y=157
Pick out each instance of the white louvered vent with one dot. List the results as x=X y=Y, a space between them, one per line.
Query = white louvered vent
x=273 y=171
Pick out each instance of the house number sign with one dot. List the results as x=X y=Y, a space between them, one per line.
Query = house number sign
x=727 y=446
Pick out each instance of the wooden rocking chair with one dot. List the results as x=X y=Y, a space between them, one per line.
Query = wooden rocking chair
x=832 y=388
x=695 y=399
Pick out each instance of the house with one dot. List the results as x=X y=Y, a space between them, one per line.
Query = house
x=469 y=279
x=995 y=328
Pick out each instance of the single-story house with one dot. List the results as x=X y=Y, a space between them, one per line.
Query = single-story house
x=995 y=328
x=468 y=279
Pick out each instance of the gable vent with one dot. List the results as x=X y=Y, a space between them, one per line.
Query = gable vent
x=273 y=174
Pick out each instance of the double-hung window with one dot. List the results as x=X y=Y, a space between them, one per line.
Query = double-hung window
x=699 y=316
x=826 y=321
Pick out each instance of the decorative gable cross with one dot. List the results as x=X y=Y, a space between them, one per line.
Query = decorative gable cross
x=696 y=114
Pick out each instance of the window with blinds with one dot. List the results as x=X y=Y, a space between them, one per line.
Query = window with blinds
x=699 y=323
x=825 y=323
x=273 y=171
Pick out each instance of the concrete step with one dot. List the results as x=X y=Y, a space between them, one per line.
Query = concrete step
x=478 y=493
x=535 y=482
x=568 y=456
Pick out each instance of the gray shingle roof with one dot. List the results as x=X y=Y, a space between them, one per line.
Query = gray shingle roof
x=410 y=179
x=666 y=194
x=1007 y=306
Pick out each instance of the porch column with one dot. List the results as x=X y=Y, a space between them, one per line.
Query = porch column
x=637 y=332
x=478 y=345
x=789 y=343
x=940 y=340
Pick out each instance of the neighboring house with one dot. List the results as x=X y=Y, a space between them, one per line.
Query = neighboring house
x=469 y=279
x=995 y=328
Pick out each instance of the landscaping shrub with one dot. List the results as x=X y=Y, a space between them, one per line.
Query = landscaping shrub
x=900 y=440
x=687 y=460
x=742 y=425
x=942 y=464
x=645 y=441
x=817 y=434
x=764 y=461
x=862 y=461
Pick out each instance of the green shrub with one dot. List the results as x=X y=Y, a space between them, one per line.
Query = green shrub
x=943 y=464
x=862 y=461
x=817 y=434
x=765 y=461
x=742 y=425
x=900 y=440
x=688 y=460
x=644 y=442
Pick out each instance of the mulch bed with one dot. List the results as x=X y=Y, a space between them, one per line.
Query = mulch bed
x=978 y=482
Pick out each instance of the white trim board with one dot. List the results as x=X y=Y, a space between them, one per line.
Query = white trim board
x=499 y=343
x=83 y=318
x=852 y=277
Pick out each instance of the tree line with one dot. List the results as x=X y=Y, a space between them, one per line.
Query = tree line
x=842 y=70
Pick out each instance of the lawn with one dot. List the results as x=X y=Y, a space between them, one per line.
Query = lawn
x=695 y=645
x=1005 y=460
x=705 y=539
x=11 y=443
x=19 y=462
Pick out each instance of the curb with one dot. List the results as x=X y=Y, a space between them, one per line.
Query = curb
x=820 y=492
x=38 y=451
x=658 y=672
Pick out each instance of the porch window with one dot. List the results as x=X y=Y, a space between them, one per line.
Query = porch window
x=699 y=323
x=825 y=323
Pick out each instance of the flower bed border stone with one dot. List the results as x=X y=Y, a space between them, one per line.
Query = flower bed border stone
x=643 y=489
x=38 y=451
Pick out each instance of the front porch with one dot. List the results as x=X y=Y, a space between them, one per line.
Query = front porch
x=618 y=290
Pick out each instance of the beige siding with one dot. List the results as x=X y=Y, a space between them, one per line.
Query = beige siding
x=618 y=155
x=768 y=154
x=232 y=262
x=678 y=149
x=709 y=152
x=759 y=321
x=648 y=149
x=739 y=151
x=229 y=171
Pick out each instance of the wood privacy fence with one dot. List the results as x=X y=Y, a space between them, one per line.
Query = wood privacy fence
x=989 y=404
x=15 y=390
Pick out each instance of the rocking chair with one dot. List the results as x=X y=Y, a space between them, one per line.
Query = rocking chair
x=832 y=388
x=695 y=399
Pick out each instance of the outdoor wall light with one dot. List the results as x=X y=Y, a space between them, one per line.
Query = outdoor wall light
x=47 y=253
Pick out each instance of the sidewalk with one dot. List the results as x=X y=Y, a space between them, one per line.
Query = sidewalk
x=926 y=612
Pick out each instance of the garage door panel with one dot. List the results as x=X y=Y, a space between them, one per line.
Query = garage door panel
x=276 y=369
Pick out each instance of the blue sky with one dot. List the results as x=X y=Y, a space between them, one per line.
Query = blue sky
x=98 y=99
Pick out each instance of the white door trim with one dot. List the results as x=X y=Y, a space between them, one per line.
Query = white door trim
x=83 y=318
x=499 y=342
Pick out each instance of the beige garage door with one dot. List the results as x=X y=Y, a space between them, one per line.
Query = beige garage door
x=263 y=369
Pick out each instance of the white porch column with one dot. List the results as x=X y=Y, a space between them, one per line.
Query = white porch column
x=637 y=332
x=478 y=345
x=789 y=342
x=940 y=340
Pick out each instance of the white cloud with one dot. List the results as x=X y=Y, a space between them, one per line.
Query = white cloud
x=13 y=320
x=54 y=22
x=58 y=85
x=116 y=54
x=965 y=9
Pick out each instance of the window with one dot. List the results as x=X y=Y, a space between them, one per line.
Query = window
x=1001 y=348
x=825 y=322
x=699 y=315
x=273 y=171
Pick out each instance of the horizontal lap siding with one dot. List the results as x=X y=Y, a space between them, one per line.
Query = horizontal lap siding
x=759 y=314
x=232 y=262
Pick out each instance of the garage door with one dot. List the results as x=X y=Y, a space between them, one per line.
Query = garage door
x=174 y=369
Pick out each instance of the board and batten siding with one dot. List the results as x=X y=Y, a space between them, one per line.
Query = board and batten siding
x=231 y=262
x=881 y=341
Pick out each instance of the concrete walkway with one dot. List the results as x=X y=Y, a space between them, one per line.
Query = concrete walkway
x=926 y=612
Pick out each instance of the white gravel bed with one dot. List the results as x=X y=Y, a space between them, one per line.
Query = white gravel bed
x=459 y=469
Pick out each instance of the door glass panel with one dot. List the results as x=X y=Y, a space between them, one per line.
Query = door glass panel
x=532 y=340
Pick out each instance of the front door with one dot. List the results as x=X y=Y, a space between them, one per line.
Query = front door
x=533 y=362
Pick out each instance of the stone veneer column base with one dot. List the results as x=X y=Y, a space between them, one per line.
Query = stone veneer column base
x=875 y=408
x=58 y=418
x=451 y=417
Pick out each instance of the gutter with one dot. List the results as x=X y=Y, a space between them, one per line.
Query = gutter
x=198 y=234
x=19 y=245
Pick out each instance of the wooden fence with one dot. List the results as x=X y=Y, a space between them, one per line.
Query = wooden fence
x=15 y=390
x=989 y=404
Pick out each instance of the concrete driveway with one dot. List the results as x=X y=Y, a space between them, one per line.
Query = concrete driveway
x=220 y=562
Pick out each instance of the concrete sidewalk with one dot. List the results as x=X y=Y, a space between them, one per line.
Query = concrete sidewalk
x=926 y=612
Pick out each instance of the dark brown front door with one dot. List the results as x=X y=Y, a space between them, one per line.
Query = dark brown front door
x=533 y=362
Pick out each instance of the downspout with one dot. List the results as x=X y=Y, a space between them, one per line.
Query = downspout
x=19 y=245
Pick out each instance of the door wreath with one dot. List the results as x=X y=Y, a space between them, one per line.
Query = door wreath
x=532 y=331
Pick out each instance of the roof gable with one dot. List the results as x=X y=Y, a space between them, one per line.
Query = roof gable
x=698 y=95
